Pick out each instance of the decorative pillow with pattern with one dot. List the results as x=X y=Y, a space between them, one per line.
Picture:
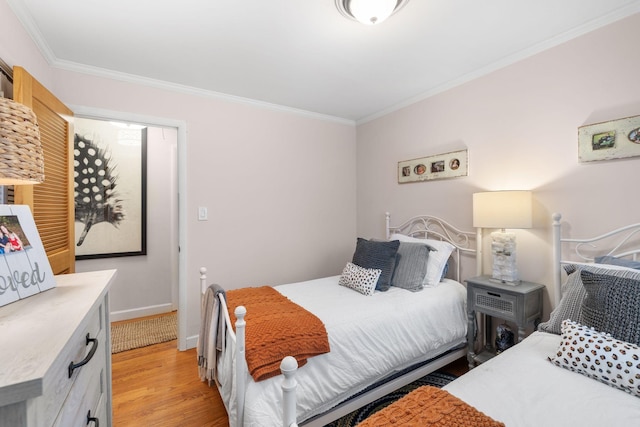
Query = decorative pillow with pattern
x=378 y=255
x=612 y=305
x=570 y=305
x=599 y=356
x=359 y=278
x=573 y=293
x=438 y=257
x=411 y=266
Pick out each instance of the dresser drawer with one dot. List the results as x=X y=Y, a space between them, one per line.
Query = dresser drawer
x=86 y=397
x=58 y=384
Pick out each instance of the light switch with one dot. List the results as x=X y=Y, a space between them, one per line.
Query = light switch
x=202 y=213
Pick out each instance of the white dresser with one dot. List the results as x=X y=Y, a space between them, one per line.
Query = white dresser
x=55 y=355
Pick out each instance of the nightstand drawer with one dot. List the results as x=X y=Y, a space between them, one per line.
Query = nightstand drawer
x=495 y=303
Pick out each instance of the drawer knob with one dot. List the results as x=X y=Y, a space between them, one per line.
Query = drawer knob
x=94 y=419
x=73 y=366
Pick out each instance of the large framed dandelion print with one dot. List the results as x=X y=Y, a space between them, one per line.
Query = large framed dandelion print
x=110 y=168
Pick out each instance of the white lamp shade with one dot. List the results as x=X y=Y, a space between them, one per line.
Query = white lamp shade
x=372 y=12
x=503 y=209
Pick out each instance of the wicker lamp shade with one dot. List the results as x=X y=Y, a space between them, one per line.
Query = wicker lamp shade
x=21 y=157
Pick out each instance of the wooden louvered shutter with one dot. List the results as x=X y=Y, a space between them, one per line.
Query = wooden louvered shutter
x=52 y=201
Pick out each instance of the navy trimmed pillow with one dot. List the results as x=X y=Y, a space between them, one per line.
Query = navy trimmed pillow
x=377 y=255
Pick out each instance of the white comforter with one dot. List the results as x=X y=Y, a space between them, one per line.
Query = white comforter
x=370 y=337
x=522 y=389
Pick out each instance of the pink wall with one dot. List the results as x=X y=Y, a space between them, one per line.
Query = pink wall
x=17 y=48
x=279 y=187
x=520 y=127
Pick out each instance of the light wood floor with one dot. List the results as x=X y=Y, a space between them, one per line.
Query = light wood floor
x=159 y=386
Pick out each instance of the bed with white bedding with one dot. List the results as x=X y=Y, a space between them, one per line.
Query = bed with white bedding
x=521 y=388
x=397 y=335
x=369 y=338
x=581 y=368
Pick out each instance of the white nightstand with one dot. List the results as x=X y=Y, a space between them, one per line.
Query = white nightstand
x=520 y=304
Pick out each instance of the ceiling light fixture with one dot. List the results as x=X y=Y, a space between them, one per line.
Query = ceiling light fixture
x=369 y=12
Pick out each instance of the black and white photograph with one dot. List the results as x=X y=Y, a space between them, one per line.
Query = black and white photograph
x=109 y=189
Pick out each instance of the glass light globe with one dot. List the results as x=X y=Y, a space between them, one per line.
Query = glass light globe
x=372 y=12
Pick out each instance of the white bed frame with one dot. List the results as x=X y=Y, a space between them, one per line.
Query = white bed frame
x=616 y=243
x=619 y=243
x=423 y=226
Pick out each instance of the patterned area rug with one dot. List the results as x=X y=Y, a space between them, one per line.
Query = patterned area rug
x=141 y=333
x=436 y=379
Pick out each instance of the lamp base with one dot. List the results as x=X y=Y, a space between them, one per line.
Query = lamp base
x=503 y=248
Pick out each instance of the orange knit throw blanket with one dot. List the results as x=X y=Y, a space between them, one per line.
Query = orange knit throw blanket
x=429 y=406
x=276 y=327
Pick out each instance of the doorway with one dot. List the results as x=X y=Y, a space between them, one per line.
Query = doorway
x=165 y=226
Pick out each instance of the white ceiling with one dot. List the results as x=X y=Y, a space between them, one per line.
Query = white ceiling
x=303 y=54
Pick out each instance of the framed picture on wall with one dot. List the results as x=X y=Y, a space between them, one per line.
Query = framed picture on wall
x=110 y=177
x=447 y=165
x=614 y=139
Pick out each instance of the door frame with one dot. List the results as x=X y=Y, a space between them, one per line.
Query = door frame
x=181 y=126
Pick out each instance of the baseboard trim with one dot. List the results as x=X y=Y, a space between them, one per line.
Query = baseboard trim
x=117 y=316
x=192 y=342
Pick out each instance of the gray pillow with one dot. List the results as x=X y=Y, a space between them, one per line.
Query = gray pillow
x=612 y=305
x=573 y=293
x=377 y=255
x=569 y=308
x=411 y=266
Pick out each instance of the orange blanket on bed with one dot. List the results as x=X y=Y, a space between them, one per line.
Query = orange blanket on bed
x=276 y=327
x=429 y=406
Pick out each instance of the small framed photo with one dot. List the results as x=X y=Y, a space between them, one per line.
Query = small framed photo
x=615 y=139
x=447 y=165
x=24 y=266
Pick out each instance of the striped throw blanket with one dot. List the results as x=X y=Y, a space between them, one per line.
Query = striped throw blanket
x=276 y=327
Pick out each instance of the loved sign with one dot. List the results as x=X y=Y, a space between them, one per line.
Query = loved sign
x=24 y=266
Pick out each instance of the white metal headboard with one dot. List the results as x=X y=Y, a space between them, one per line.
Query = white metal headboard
x=431 y=227
x=623 y=242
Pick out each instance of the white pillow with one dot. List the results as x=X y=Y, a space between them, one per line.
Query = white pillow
x=437 y=260
x=359 y=278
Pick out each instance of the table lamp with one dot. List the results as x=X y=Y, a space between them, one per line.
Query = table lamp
x=21 y=156
x=503 y=209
